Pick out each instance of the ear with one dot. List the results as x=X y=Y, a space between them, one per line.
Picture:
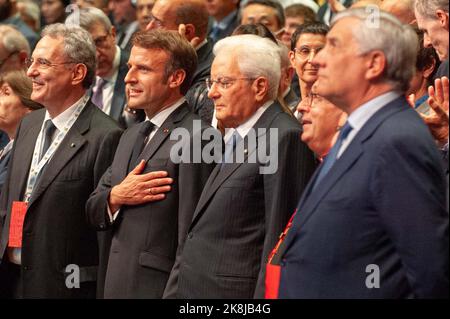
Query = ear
x=428 y=70
x=442 y=17
x=190 y=31
x=79 y=74
x=260 y=88
x=176 y=78
x=113 y=33
x=376 y=64
x=292 y=58
x=22 y=57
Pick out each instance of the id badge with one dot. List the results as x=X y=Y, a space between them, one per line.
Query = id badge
x=18 y=212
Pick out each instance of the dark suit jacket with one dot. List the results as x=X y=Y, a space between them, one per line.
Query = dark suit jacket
x=197 y=96
x=240 y=215
x=146 y=237
x=119 y=99
x=56 y=232
x=382 y=203
x=4 y=161
x=228 y=30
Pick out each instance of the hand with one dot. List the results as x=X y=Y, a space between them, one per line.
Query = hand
x=336 y=6
x=411 y=100
x=182 y=31
x=138 y=189
x=439 y=100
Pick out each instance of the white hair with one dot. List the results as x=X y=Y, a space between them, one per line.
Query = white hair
x=256 y=56
x=398 y=42
x=88 y=17
x=427 y=8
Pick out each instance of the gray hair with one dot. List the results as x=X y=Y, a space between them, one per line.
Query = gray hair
x=427 y=8
x=256 y=56
x=398 y=42
x=88 y=17
x=13 y=40
x=78 y=47
x=31 y=9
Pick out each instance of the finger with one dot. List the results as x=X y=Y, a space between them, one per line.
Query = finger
x=438 y=94
x=412 y=100
x=437 y=109
x=182 y=30
x=153 y=175
x=159 y=190
x=158 y=182
x=446 y=87
x=153 y=198
x=139 y=168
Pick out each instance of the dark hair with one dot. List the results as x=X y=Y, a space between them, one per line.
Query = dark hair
x=256 y=29
x=182 y=54
x=313 y=28
x=21 y=86
x=269 y=3
x=426 y=57
x=299 y=10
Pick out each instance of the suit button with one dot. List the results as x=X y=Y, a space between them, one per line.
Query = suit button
x=26 y=268
x=102 y=226
x=190 y=235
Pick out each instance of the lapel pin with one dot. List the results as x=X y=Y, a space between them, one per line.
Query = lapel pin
x=166 y=130
x=245 y=151
x=72 y=145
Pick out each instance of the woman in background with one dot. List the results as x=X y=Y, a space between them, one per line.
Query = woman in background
x=15 y=103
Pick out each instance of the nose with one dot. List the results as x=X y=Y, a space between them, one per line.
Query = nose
x=304 y=106
x=151 y=25
x=32 y=71
x=129 y=77
x=426 y=41
x=213 y=93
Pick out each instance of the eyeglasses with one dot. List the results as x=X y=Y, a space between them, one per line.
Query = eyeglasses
x=305 y=51
x=100 y=42
x=156 y=22
x=224 y=83
x=2 y=62
x=44 y=63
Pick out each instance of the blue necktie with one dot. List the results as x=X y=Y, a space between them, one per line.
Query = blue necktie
x=230 y=147
x=331 y=158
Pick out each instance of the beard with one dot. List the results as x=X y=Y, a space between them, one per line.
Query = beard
x=5 y=10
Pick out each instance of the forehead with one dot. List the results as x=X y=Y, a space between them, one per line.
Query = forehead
x=97 y=28
x=225 y=64
x=343 y=29
x=49 y=47
x=149 y=57
x=311 y=39
x=145 y=2
x=259 y=10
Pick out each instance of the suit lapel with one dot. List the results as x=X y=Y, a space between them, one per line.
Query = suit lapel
x=164 y=131
x=70 y=145
x=118 y=101
x=310 y=200
x=219 y=176
x=24 y=150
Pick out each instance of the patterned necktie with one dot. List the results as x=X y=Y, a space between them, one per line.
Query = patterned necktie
x=97 y=97
x=140 y=142
x=49 y=130
x=331 y=158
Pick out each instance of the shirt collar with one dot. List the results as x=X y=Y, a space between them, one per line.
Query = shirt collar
x=203 y=43
x=363 y=113
x=244 y=128
x=162 y=116
x=61 y=120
